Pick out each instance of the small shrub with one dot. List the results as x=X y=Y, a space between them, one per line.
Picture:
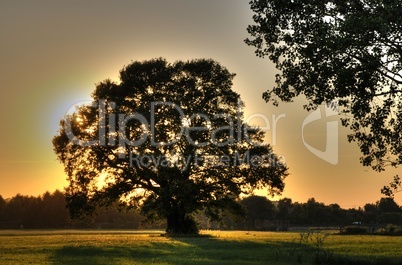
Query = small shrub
x=390 y=229
x=398 y=232
x=355 y=230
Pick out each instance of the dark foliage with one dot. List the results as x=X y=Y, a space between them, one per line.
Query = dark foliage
x=176 y=122
x=49 y=212
x=355 y=230
x=348 y=52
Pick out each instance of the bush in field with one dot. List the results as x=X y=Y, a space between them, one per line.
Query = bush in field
x=355 y=230
x=398 y=232
x=392 y=230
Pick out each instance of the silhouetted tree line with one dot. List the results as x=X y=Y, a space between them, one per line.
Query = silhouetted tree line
x=49 y=211
x=263 y=214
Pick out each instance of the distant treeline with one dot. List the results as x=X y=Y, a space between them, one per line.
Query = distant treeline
x=263 y=214
x=49 y=212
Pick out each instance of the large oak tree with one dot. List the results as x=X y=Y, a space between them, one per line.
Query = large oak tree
x=347 y=50
x=170 y=139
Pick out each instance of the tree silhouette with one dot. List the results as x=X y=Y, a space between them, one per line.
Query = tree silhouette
x=2 y=206
x=53 y=212
x=170 y=139
x=388 y=205
x=258 y=208
x=284 y=208
x=349 y=51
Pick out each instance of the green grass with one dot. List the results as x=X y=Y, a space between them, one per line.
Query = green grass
x=149 y=247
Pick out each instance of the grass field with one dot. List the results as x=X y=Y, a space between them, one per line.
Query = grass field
x=212 y=247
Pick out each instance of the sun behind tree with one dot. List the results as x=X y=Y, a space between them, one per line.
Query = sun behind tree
x=169 y=139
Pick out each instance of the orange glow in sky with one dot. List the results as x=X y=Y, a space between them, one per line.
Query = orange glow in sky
x=52 y=54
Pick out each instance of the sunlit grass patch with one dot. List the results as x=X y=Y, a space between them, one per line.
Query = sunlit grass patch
x=367 y=245
x=211 y=247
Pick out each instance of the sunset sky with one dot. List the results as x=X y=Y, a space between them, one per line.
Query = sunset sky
x=52 y=54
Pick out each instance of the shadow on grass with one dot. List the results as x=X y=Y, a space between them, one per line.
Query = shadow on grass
x=206 y=250
x=177 y=250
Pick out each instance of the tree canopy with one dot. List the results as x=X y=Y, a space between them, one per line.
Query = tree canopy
x=170 y=139
x=347 y=51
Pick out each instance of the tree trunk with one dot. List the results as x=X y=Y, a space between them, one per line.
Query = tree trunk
x=180 y=223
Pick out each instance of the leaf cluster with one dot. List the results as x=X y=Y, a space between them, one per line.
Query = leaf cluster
x=349 y=51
